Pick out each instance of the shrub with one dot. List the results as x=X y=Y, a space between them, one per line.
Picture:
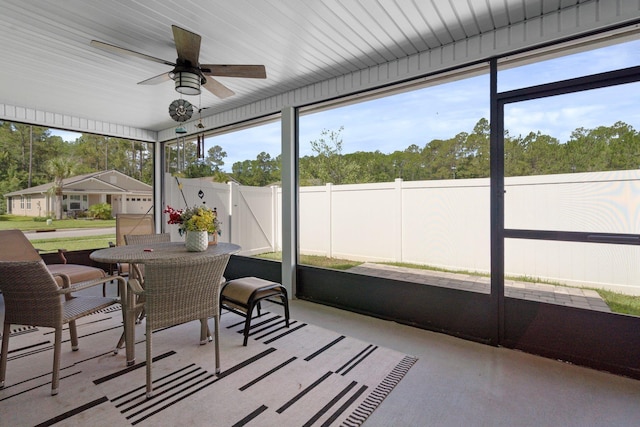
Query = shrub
x=100 y=211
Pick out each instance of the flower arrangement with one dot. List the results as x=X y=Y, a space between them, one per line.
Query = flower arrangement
x=196 y=218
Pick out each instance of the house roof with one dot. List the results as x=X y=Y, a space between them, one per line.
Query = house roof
x=313 y=51
x=108 y=182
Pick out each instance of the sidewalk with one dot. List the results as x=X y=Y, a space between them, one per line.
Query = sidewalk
x=562 y=295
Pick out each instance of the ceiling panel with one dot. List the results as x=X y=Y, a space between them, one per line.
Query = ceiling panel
x=49 y=65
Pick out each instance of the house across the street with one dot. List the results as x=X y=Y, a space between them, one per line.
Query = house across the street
x=123 y=193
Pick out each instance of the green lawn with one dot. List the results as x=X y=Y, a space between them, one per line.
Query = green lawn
x=74 y=243
x=315 y=260
x=26 y=223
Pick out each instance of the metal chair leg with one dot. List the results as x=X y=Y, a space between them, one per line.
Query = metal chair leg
x=216 y=319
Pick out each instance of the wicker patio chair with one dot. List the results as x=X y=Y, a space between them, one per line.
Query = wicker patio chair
x=176 y=292
x=32 y=297
x=146 y=239
x=16 y=247
x=128 y=224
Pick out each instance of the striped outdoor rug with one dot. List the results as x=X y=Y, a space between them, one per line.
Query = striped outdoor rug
x=297 y=376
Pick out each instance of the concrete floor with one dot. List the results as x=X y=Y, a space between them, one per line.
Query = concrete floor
x=462 y=383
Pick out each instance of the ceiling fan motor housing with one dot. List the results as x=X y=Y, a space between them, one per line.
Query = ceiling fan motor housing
x=188 y=74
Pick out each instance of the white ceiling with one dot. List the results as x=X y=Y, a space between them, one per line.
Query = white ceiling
x=48 y=65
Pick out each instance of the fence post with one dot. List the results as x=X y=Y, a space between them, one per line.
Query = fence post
x=275 y=232
x=329 y=196
x=234 y=232
x=397 y=221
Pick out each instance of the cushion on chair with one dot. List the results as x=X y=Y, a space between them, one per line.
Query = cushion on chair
x=240 y=290
x=16 y=247
x=242 y=295
x=76 y=272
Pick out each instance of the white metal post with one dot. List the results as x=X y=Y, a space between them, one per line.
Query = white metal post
x=289 y=199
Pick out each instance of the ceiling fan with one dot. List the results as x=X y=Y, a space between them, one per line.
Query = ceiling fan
x=187 y=73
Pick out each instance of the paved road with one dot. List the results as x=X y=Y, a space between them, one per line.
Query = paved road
x=73 y=232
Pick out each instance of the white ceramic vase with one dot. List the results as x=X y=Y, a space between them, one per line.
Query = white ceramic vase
x=196 y=241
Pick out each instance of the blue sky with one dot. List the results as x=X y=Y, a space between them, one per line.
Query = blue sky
x=440 y=112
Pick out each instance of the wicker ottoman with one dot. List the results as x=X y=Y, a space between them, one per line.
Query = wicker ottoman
x=242 y=295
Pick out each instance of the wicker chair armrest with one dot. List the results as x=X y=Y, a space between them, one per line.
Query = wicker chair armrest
x=137 y=271
x=88 y=284
x=66 y=280
x=135 y=286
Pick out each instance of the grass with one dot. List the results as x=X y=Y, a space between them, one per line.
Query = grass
x=432 y=268
x=315 y=260
x=620 y=303
x=26 y=223
x=74 y=243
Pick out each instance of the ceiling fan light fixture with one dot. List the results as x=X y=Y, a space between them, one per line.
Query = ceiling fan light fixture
x=187 y=83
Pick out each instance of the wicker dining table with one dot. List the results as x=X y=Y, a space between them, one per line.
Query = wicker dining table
x=138 y=255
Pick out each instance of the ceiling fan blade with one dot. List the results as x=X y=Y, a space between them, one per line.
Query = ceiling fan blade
x=218 y=89
x=120 y=50
x=187 y=45
x=246 y=71
x=156 y=80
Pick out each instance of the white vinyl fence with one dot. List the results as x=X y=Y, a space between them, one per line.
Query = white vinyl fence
x=444 y=223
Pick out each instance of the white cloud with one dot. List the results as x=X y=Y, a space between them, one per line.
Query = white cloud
x=559 y=116
x=66 y=135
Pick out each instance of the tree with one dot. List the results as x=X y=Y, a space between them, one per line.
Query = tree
x=474 y=159
x=209 y=166
x=588 y=150
x=440 y=157
x=198 y=169
x=97 y=153
x=331 y=166
x=60 y=168
x=215 y=157
x=542 y=154
x=625 y=147
x=13 y=181
x=259 y=172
